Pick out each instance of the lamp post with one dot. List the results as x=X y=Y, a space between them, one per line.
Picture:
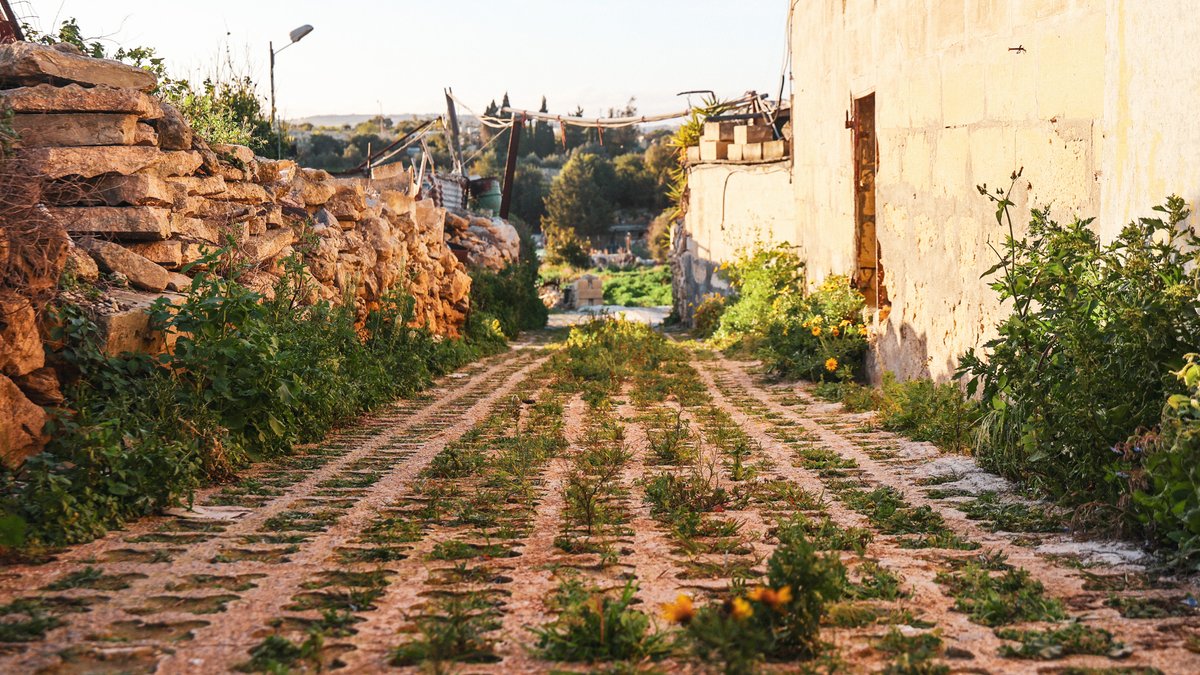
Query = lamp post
x=296 y=36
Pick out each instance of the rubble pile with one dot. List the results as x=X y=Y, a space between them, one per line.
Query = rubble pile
x=147 y=201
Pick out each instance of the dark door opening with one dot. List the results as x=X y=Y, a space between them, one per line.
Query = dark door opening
x=868 y=273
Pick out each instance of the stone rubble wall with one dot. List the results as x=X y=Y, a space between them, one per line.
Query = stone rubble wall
x=145 y=199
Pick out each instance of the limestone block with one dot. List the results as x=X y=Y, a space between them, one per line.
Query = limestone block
x=752 y=152
x=20 y=343
x=713 y=150
x=198 y=185
x=41 y=386
x=239 y=155
x=89 y=162
x=263 y=247
x=248 y=193
x=275 y=171
x=46 y=98
x=736 y=152
x=167 y=253
x=22 y=425
x=772 y=150
x=80 y=264
x=194 y=229
x=135 y=223
x=141 y=272
x=179 y=283
x=173 y=131
x=125 y=326
x=745 y=134
x=28 y=63
x=718 y=131
x=75 y=129
x=145 y=135
x=133 y=190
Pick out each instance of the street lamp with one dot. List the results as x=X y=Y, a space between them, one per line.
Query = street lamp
x=296 y=36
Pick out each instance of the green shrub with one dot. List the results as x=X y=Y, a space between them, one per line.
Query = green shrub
x=778 y=621
x=593 y=626
x=247 y=380
x=817 y=336
x=706 y=318
x=1085 y=358
x=1169 y=499
x=796 y=333
x=766 y=279
x=923 y=410
x=509 y=296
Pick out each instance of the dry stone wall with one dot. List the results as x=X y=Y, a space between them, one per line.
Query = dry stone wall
x=146 y=201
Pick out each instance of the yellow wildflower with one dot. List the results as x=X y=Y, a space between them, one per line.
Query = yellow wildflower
x=776 y=599
x=816 y=331
x=844 y=323
x=757 y=593
x=740 y=609
x=681 y=611
x=831 y=365
x=834 y=331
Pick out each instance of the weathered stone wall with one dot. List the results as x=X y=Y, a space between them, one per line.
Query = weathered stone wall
x=955 y=107
x=145 y=200
x=730 y=207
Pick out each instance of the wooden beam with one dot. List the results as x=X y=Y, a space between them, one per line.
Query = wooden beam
x=510 y=170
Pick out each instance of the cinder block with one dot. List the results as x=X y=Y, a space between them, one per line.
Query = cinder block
x=772 y=150
x=752 y=152
x=713 y=150
x=718 y=131
x=753 y=134
x=735 y=152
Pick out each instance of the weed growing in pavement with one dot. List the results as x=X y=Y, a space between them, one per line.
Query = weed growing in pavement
x=996 y=600
x=26 y=620
x=912 y=654
x=277 y=654
x=673 y=443
x=452 y=630
x=779 y=620
x=594 y=626
x=1011 y=516
x=1056 y=643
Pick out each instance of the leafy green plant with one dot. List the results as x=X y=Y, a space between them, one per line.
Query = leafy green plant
x=1056 y=643
x=990 y=600
x=1085 y=357
x=779 y=620
x=593 y=626
x=641 y=287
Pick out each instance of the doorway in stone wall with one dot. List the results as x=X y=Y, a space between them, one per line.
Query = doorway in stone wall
x=868 y=275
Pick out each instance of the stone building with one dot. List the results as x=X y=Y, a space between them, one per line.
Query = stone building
x=902 y=107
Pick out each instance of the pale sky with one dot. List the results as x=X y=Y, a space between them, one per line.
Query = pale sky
x=398 y=55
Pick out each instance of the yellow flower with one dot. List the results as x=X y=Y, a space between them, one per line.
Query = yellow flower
x=834 y=331
x=816 y=331
x=740 y=609
x=777 y=599
x=818 y=318
x=844 y=323
x=757 y=593
x=681 y=611
x=831 y=365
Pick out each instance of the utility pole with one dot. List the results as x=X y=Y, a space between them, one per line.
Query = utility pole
x=452 y=116
x=510 y=170
x=274 y=124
